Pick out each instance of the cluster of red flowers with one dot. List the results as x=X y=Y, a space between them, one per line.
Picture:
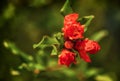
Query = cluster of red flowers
x=74 y=40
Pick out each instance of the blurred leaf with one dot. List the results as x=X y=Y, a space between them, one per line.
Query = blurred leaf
x=99 y=35
x=32 y=66
x=38 y=3
x=14 y=72
x=52 y=63
x=25 y=57
x=39 y=67
x=23 y=65
x=39 y=56
x=103 y=78
x=86 y=20
x=28 y=64
x=9 y=11
x=68 y=72
x=82 y=66
x=41 y=60
x=92 y=72
x=66 y=9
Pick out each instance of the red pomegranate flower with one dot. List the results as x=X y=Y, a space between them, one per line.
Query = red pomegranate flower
x=73 y=31
x=66 y=58
x=91 y=46
x=87 y=46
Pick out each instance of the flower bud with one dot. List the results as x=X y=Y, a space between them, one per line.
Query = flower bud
x=66 y=58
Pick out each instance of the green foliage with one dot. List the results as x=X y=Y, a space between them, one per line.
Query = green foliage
x=54 y=50
x=55 y=42
x=66 y=9
x=28 y=61
x=86 y=20
x=46 y=42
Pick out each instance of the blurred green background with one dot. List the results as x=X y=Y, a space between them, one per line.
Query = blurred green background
x=24 y=22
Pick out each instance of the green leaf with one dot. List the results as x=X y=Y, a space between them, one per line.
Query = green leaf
x=54 y=50
x=59 y=37
x=50 y=42
x=99 y=35
x=86 y=20
x=66 y=9
x=46 y=42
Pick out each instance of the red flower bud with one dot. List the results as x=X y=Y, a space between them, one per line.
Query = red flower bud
x=71 y=18
x=66 y=58
x=68 y=44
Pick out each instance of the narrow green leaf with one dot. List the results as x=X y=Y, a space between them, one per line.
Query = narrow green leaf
x=66 y=9
x=104 y=77
x=99 y=35
x=92 y=72
x=86 y=20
